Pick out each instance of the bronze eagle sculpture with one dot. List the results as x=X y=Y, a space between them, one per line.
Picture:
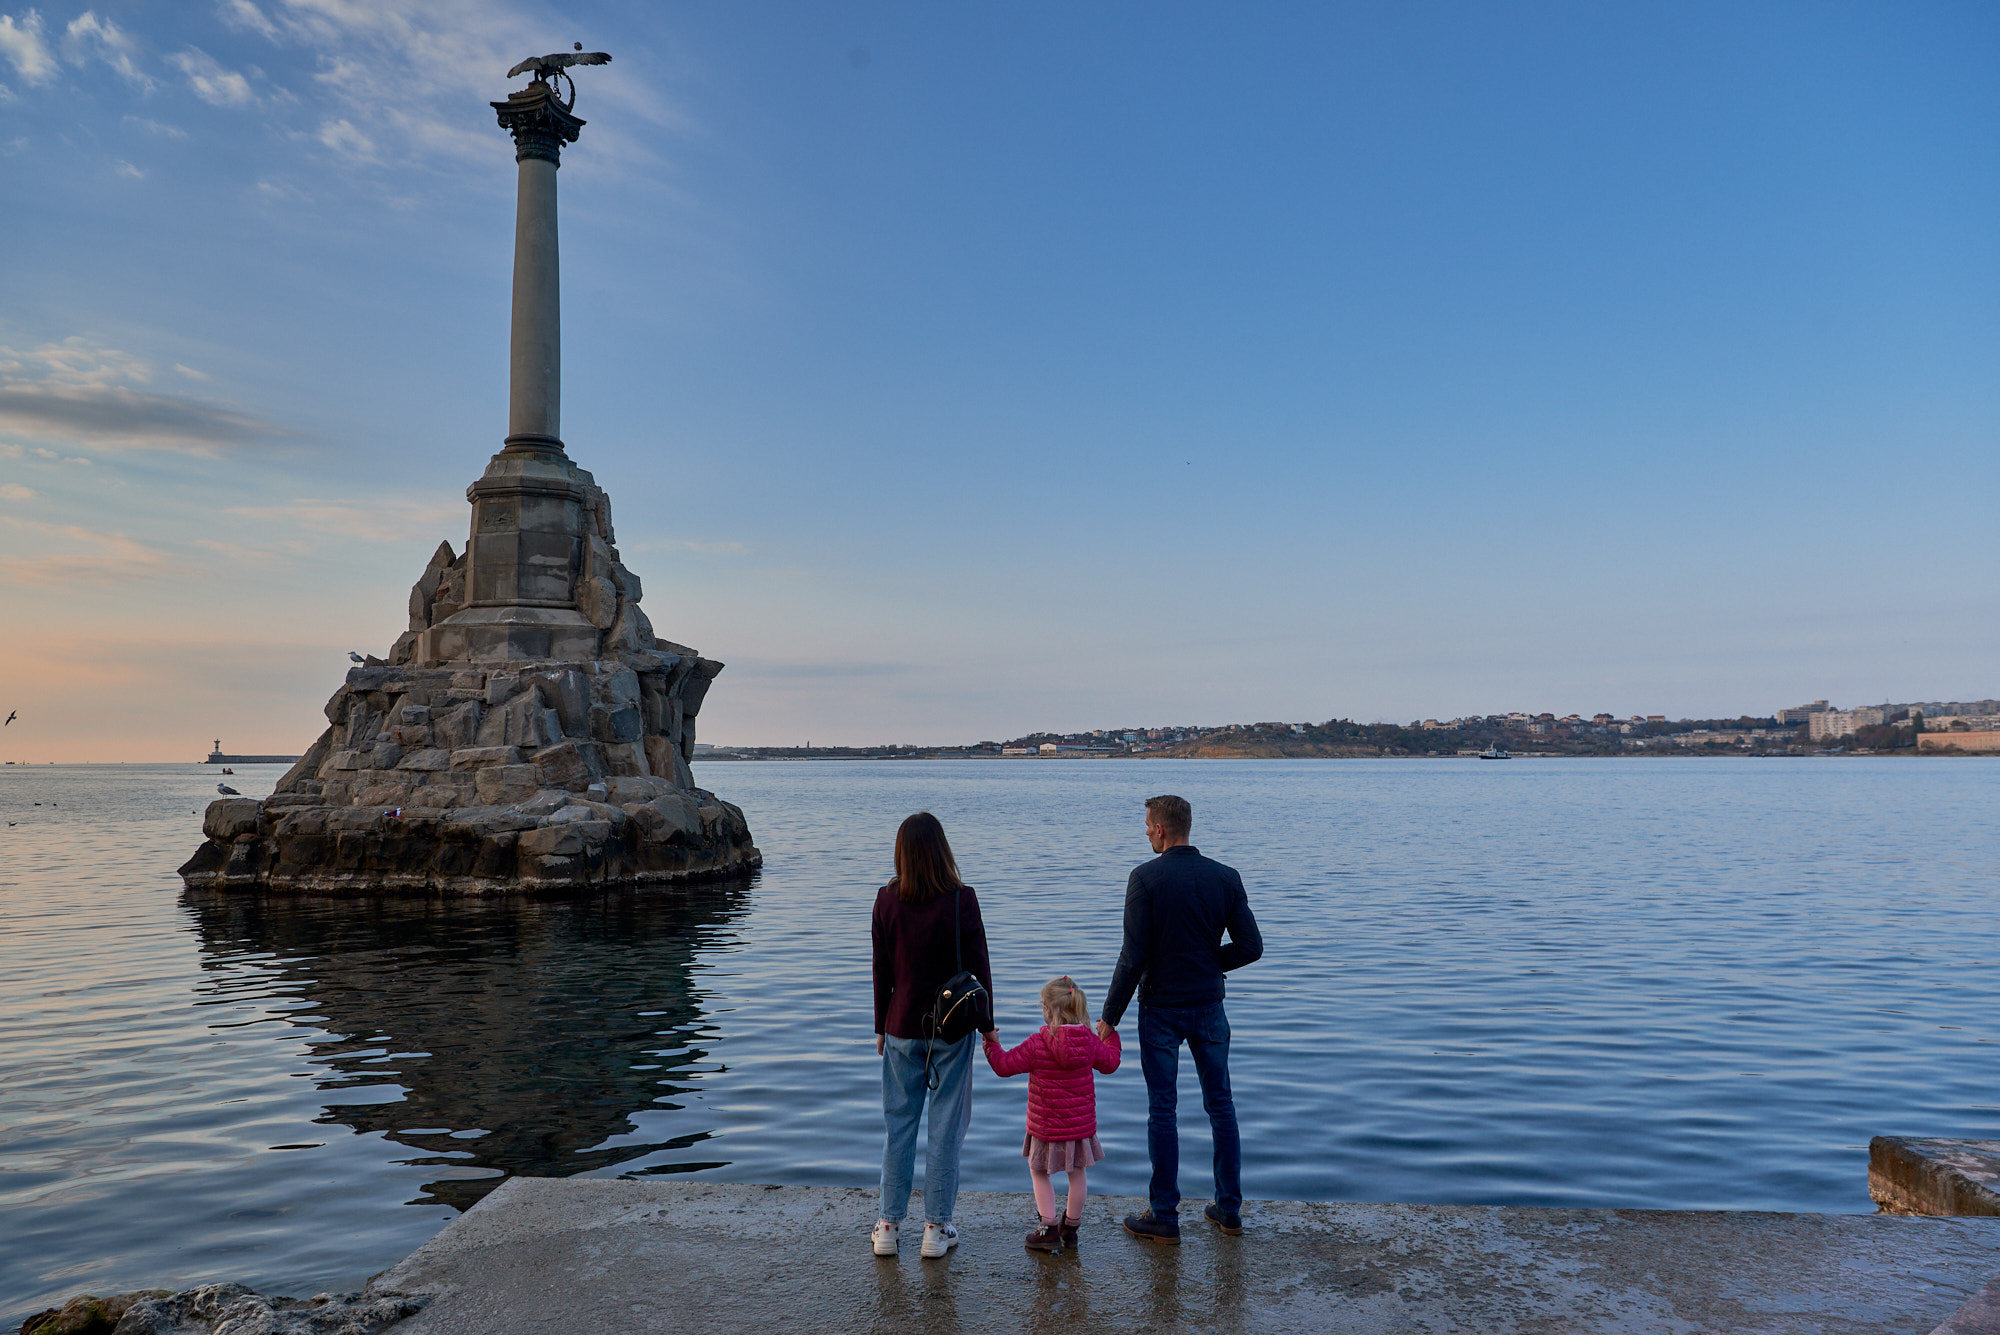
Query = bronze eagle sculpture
x=543 y=66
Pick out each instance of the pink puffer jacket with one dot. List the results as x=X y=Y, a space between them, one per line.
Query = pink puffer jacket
x=1062 y=1093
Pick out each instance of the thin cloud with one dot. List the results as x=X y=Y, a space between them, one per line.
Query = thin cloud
x=157 y=127
x=344 y=139
x=375 y=520
x=124 y=168
x=688 y=545
x=22 y=44
x=211 y=81
x=79 y=392
x=14 y=491
x=90 y=37
x=97 y=558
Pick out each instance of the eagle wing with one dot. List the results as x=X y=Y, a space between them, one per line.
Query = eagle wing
x=531 y=63
x=591 y=58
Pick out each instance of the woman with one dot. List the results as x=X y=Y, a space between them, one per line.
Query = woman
x=916 y=954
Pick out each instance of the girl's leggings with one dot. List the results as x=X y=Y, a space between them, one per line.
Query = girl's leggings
x=1045 y=1194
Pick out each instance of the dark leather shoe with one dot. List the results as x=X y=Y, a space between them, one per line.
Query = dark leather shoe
x=1231 y=1224
x=1153 y=1228
x=1069 y=1227
x=1047 y=1238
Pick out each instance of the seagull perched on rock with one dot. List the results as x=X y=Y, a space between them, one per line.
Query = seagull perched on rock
x=356 y=657
x=543 y=66
x=226 y=790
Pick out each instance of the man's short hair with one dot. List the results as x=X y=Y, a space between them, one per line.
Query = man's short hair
x=1170 y=813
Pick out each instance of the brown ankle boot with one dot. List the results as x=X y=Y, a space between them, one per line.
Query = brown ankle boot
x=1047 y=1238
x=1069 y=1224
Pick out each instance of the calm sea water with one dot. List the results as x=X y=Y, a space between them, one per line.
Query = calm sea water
x=1678 y=983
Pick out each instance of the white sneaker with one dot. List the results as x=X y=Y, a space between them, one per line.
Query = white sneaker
x=885 y=1237
x=939 y=1239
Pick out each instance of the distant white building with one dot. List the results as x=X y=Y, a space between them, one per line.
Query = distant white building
x=1803 y=713
x=1829 y=723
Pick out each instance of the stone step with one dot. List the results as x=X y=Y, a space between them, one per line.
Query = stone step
x=1923 y=1175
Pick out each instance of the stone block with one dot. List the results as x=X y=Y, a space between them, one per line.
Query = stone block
x=385 y=755
x=343 y=759
x=481 y=822
x=523 y=721
x=624 y=790
x=695 y=690
x=457 y=726
x=414 y=715
x=570 y=765
x=410 y=739
x=627 y=759
x=585 y=810
x=229 y=817
x=660 y=754
x=597 y=599
x=679 y=819
x=501 y=686
x=627 y=582
x=1928 y=1175
x=479 y=757
x=497 y=785
x=552 y=840
x=308 y=765
x=469 y=679
x=544 y=802
x=427 y=760
x=631 y=633
x=623 y=725
x=568 y=693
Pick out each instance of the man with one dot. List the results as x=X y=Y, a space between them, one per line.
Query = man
x=1177 y=908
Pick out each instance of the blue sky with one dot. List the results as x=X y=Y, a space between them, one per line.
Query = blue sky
x=963 y=370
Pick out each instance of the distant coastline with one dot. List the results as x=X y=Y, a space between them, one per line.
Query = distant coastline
x=1935 y=728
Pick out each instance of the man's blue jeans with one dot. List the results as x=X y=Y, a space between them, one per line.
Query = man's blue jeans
x=903 y=1104
x=1205 y=1030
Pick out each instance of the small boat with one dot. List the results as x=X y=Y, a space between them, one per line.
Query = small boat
x=227 y=770
x=1495 y=753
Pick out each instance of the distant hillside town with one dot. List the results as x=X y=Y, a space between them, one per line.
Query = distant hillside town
x=1962 y=727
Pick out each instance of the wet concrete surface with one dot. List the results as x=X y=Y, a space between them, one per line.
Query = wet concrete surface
x=630 y=1256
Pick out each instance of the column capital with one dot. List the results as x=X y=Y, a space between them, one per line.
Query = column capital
x=540 y=122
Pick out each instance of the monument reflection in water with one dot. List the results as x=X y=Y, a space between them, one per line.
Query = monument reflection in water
x=525 y=1034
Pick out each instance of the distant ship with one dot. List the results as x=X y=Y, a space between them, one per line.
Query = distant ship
x=1495 y=753
x=216 y=757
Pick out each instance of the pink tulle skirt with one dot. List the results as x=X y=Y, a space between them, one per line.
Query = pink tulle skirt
x=1060 y=1156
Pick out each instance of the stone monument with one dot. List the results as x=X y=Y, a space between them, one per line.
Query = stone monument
x=529 y=731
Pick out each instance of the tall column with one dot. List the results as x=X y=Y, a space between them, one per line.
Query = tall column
x=532 y=509
x=534 y=397
x=541 y=125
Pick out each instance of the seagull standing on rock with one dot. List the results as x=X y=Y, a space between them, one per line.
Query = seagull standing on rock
x=226 y=790
x=356 y=657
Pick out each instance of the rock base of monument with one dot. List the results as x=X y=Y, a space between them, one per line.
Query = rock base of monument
x=475 y=779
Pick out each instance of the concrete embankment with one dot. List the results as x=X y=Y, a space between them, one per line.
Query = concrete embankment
x=545 y=1254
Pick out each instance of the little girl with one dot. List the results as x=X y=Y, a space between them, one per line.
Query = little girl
x=1062 y=1104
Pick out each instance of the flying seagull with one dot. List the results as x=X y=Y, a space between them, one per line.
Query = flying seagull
x=356 y=657
x=543 y=66
x=226 y=790
x=12 y=714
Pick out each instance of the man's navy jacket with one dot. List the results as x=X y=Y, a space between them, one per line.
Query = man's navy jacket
x=1176 y=909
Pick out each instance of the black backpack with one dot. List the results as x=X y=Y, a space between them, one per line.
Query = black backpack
x=962 y=1005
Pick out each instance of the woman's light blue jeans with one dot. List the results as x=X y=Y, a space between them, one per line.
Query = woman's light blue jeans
x=903 y=1096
